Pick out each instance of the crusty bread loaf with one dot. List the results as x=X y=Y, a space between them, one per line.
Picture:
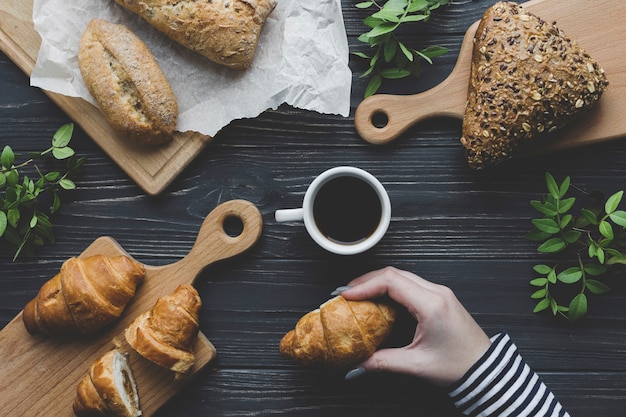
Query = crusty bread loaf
x=224 y=31
x=527 y=78
x=127 y=83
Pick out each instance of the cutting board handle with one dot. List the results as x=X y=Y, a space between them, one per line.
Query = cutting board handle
x=214 y=243
x=402 y=112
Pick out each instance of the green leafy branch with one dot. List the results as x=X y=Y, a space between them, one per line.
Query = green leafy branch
x=597 y=237
x=392 y=59
x=24 y=225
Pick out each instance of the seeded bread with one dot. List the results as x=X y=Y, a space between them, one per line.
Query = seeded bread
x=127 y=83
x=224 y=31
x=527 y=79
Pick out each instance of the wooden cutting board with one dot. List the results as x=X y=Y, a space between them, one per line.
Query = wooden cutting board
x=152 y=168
x=39 y=374
x=598 y=26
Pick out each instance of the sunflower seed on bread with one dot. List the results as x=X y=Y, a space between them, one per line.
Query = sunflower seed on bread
x=527 y=79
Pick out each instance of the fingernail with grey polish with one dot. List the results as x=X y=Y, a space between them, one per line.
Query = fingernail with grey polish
x=339 y=290
x=355 y=373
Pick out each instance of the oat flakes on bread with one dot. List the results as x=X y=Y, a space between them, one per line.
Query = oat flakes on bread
x=527 y=79
x=224 y=31
x=125 y=80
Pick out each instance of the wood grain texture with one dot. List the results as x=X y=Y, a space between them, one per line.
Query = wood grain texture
x=40 y=374
x=579 y=19
x=450 y=225
x=153 y=168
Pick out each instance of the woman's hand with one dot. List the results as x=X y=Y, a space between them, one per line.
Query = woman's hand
x=447 y=340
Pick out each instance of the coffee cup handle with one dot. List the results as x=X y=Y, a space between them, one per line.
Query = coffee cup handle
x=289 y=215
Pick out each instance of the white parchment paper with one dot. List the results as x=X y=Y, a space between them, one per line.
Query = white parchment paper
x=301 y=60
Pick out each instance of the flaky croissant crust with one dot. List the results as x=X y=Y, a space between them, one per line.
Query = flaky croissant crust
x=165 y=334
x=86 y=295
x=340 y=333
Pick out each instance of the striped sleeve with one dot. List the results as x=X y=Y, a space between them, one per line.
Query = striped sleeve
x=501 y=384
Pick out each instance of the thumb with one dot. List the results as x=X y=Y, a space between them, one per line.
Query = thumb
x=385 y=360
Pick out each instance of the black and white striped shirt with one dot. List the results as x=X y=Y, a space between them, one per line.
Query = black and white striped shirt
x=501 y=384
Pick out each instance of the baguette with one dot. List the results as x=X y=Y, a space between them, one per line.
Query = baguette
x=224 y=31
x=125 y=80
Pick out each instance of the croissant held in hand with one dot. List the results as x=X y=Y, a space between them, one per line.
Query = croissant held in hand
x=108 y=389
x=86 y=295
x=164 y=335
x=340 y=333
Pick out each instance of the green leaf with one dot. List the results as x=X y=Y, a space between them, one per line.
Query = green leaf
x=565 y=221
x=589 y=216
x=554 y=306
x=552 y=276
x=606 y=230
x=570 y=275
x=361 y=55
x=552 y=245
x=406 y=51
x=564 y=187
x=434 y=51
x=596 y=287
x=62 y=153
x=7 y=157
x=33 y=221
x=415 y=17
x=383 y=28
x=417 y=5
x=63 y=135
x=537 y=235
x=546 y=225
x=542 y=305
x=553 y=188
x=571 y=236
x=67 y=184
x=538 y=282
x=618 y=217
x=577 y=307
x=394 y=73
x=539 y=294
x=364 y=4
x=13 y=216
x=13 y=177
x=373 y=85
x=388 y=15
x=566 y=204
x=611 y=204
x=543 y=208
x=542 y=269
x=3 y=222
x=594 y=269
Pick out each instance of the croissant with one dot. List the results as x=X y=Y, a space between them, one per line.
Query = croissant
x=164 y=335
x=108 y=389
x=86 y=295
x=339 y=333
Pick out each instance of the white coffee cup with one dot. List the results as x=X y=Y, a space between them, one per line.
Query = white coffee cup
x=346 y=210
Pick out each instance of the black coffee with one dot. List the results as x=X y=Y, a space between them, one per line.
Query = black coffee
x=347 y=210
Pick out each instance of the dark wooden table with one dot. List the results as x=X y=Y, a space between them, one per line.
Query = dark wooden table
x=449 y=224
